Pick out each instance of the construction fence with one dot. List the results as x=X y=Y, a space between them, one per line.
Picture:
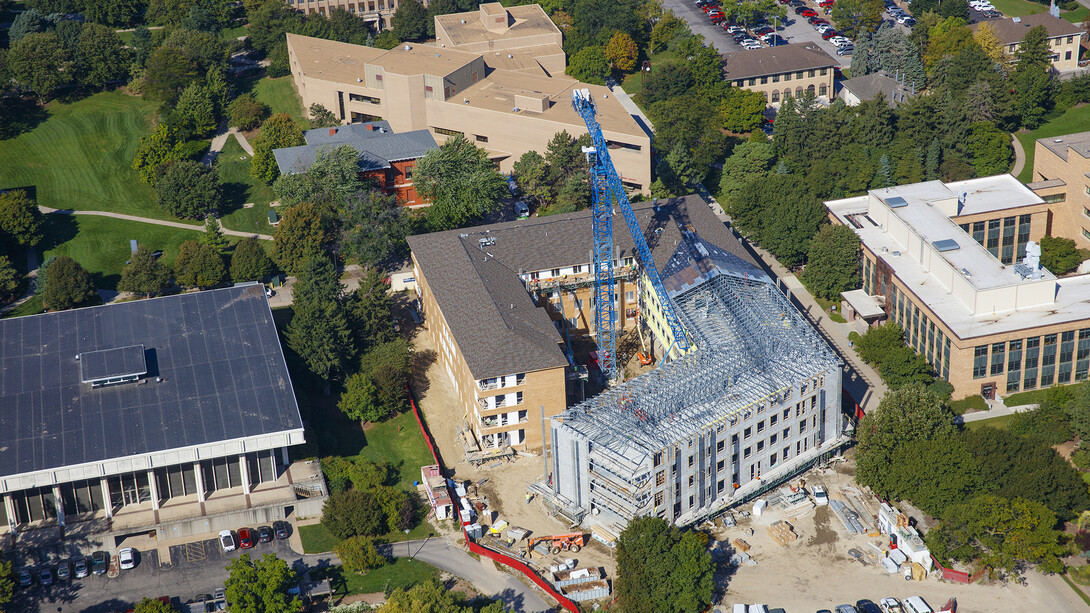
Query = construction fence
x=956 y=575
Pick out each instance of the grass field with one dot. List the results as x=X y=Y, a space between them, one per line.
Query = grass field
x=79 y=157
x=233 y=166
x=1019 y=8
x=1033 y=396
x=401 y=573
x=959 y=407
x=316 y=539
x=1074 y=119
x=279 y=94
x=995 y=422
x=233 y=33
x=633 y=83
x=1076 y=16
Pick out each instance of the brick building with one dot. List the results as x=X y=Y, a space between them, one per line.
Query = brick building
x=782 y=71
x=1064 y=37
x=1061 y=177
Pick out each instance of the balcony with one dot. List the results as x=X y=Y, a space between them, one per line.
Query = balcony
x=499 y=383
x=494 y=421
x=501 y=403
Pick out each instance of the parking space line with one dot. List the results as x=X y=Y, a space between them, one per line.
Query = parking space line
x=194 y=552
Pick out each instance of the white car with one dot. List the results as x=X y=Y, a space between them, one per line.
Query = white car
x=736 y=29
x=823 y=28
x=126 y=558
x=820 y=497
x=751 y=45
x=891 y=605
x=227 y=540
x=840 y=41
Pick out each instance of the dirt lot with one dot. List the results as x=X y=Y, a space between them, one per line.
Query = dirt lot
x=816 y=572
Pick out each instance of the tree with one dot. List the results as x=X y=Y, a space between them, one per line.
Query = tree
x=991 y=147
x=318 y=281
x=378 y=390
x=780 y=213
x=144 y=275
x=988 y=40
x=260 y=586
x=748 y=161
x=116 y=13
x=460 y=181
x=277 y=132
x=854 y=17
x=7 y=582
x=665 y=30
x=832 y=264
x=431 y=597
x=246 y=112
x=168 y=71
x=68 y=285
x=199 y=265
x=20 y=219
x=38 y=62
x=947 y=38
x=1079 y=409
x=189 y=190
x=410 y=21
x=100 y=56
x=743 y=110
x=622 y=53
x=319 y=332
x=358 y=554
x=153 y=605
x=370 y=309
x=9 y=280
x=661 y=568
x=373 y=227
x=195 y=112
x=249 y=262
x=589 y=65
x=1059 y=255
x=329 y=181
x=321 y=117
x=1034 y=51
x=354 y=513
x=303 y=232
x=531 y=172
x=214 y=238
x=30 y=21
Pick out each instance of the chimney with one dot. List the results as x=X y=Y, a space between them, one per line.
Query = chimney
x=370 y=127
x=332 y=131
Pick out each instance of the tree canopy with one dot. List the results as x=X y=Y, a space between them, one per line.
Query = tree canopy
x=67 y=285
x=260 y=585
x=460 y=181
x=661 y=568
x=410 y=21
x=144 y=275
x=303 y=232
x=249 y=262
x=20 y=220
x=189 y=190
x=832 y=264
x=277 y=132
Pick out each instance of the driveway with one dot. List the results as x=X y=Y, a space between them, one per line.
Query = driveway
x=199 y=567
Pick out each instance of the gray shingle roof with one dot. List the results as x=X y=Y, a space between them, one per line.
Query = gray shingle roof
x=1010 y=31
x=376 y=149
x=867 y=87
x=495 y=323
x=775 y=60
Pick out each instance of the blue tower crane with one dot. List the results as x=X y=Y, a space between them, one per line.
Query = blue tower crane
x=606 y=190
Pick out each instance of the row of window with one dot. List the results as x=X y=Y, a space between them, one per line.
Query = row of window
x=800 y=74
x=999 y=236
x=775 y=95
x=353 y=7
x=920 y=332
x=1038 y=361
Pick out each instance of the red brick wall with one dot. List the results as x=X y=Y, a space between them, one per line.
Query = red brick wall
x=393 y=181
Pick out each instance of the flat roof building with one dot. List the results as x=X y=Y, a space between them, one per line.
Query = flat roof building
x=1064 y=37
x=157 y=414
x=449 y=91
x=1061 y=177
x=987 y=321
x=782 y=71
x=501 y=33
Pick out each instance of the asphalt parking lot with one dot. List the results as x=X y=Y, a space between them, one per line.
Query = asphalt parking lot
x=196 y=568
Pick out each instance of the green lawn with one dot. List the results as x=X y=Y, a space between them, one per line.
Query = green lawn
x=1019 y=8
x=1033 y=396
x=400 y=573
x=959 y=407
x=316 y=539
x=995 y=422
x=1076 y=16
x=633 y=83
x=399 y=442
x=239 y=188
x=79 y=157
x=279 y=94
x=233 y=33
x=1072 y=120
x=30 y=307
x=127 y=38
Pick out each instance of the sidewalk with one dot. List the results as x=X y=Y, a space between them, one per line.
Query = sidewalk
x=996 y=408
x=219 y=141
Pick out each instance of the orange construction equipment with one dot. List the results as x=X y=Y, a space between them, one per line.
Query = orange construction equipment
x=560 y=542
x=646 y=360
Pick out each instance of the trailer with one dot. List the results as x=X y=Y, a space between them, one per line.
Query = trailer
x=558 y=542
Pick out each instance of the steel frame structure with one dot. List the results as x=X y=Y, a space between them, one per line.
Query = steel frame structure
x=606 y=189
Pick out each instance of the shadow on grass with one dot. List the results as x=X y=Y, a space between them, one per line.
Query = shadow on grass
x=234 y=196
x=19 y=115
x=59 y=229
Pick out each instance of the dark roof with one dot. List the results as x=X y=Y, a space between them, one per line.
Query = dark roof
x=1011 y=31
x=775 y=60
x=224 y=378
x=377 y=147
x=495 y=323
x=867 y=87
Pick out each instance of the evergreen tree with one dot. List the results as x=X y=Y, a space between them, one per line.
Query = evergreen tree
x=934 y=157
x=319 y=332
x=144 y=275
x=318 y=281
x=213 y=236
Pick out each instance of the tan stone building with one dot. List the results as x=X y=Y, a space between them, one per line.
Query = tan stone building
x=507 y=109
x=1064 y=37
x=500 y=299
x=378 y=12
x=986 y=326
x=1060 y=177
x=782 y=72
x=499 y=34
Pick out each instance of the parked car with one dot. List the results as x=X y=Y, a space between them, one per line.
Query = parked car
x=750 y=45
x=846 y=608
x=81 y=568
x=841 y=41
x=823 y=28
x=821 y=498
x=25 y=578
x=126 y=558
x=245 y=538
x=817 y=21
x=281 y=529
x=828 y=34
x=891 y=605
x=775 y=40
x=227 y=540
x=735 y=29
x=100 y=562
x=264 y=534
x=64 y=570
x=866 y=606
x=45 y=575
x=522 y=210
x=845 y=50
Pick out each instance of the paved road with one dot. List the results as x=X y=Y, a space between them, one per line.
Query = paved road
x=1019 y=156
x=199 y=568
x=158 y=222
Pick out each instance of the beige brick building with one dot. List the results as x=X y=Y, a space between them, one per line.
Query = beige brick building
x=1064 y=37
x=497 y=33
x=380 y=13
x=782 y=72
x=984 y=325
x=508 y=109
x=1060 y=177
x=497 y=300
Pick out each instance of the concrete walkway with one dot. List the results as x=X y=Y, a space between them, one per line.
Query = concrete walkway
x=158 y=222
x=630 y=106
x=219 y=141
x=996 y=409
x=1019 y=155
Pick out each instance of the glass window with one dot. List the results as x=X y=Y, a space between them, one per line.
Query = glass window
x=823 y=71
x=1067 y=351
x=822 y=90
x=787 y=76
x=993 y=237
x=764 y=80
x=1033 y=349
x=998 y=357
x=775 y=96
x=775 y=78
x=1082 y=356
x=980 y=362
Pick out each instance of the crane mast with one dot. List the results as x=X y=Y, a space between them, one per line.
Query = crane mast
x=607 y=190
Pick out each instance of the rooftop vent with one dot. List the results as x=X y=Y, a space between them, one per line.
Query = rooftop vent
x=966 y=272
x=1058 y=140
x=112 y=366
x=946 y=244
x=896 y=202
x=408 y=47
x=1016 y=19
x=486 y=242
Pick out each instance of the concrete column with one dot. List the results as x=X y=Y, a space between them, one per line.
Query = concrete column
x=9 y=509
x=154 y=490
x=284 y=456
x=59 y=504
x=106 y=502
x=200 y=481
x=245 y=469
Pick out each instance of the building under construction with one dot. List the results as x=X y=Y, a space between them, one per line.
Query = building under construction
x=754 y=402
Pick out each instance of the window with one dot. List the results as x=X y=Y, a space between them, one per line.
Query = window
x=660 y=478
x=760 y=446
x=761 y=426
x=720 y=445
x=772 y=439
x=798 y=75
x=822 y=90
x=480 y=139
x=787 y=76
x=1070 y=39
x=772 y=460
x=1086 y=234
x=775 y=96
x=753 y=82
x=690 y=480
x=764 y=80
x=748 y=452
x=630 y=295
x=1067 y=55
x=690 y=461
x=361 y=98
x=776 y=79
x=408 y=172
x=786 y=432
x=998 y=357
x=980 y=362
x=447 y=132
x=823 y=71
x=747 y=432
x=810 y=74
x=772 y=420
x=802 y=426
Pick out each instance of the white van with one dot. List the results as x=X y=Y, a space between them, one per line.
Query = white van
x=739 y=608
x=758 y=608
x=915 y=604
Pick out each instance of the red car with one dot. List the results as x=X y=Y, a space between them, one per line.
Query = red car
x=246 y=538
x=718 y=18
x=829 y=34
x=806 y=12
x=826 y=3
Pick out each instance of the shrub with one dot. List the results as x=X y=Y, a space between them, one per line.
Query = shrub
x=247 y=112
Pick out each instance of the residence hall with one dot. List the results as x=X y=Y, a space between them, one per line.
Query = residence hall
x=385 y=158
x=1061 y=176
x=500 y=34
x=171 y=414
x=782 y=71
x=1064 y=37
x=988 y=319
x=506 y=110
x=501 y=298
